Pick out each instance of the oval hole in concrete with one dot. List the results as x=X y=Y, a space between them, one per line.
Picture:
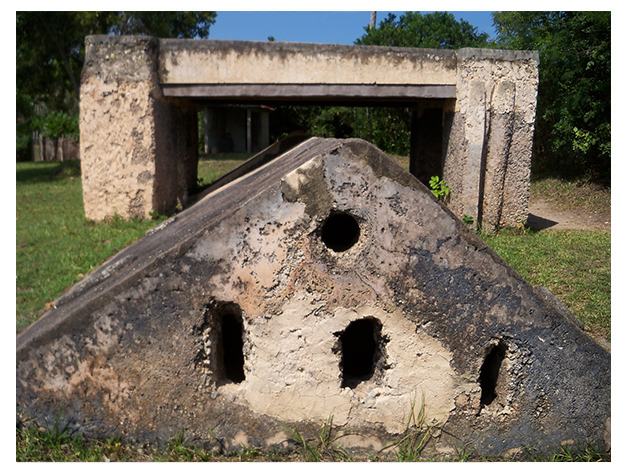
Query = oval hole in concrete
x=489 y=374
x=232 y=348
x=340 y=232
x=360 y=347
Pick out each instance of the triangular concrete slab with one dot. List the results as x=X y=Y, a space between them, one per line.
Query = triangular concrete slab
x=327 y=283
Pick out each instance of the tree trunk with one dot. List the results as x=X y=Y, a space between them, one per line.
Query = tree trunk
x=60 y=141
x=373 y=19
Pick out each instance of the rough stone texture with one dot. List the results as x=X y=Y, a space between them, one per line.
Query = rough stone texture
x=136 y=348
x=487 y=163
x=138 y=150
x=184 y=61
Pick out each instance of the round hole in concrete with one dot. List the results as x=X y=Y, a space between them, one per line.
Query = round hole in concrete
x=340 y=232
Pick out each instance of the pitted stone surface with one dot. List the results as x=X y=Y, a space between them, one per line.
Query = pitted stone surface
x=137 y=348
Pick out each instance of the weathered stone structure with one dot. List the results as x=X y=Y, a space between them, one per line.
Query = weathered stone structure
x=327 y=282
x=474 y=113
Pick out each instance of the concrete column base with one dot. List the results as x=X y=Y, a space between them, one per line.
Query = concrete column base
x=487 y=153
x=138 y=149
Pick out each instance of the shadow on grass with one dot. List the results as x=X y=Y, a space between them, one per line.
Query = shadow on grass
x=41 y=172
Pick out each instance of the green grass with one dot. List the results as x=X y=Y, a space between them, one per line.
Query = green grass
x=567 y=195
x=574 y=265
x=210 y=170
x=35 y=443
x=55 y=245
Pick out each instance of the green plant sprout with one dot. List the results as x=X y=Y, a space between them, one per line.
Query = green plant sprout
x=439 y=187
x=467 y=220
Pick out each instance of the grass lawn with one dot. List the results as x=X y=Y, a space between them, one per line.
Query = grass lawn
x=56 y=246
x=574 y=265
x=212 y=167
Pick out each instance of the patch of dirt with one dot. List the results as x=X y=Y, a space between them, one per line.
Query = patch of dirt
x=543 y=214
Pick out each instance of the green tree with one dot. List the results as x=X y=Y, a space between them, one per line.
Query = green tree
x=573 y=124
x=433 y=30
x=164 y=24
x=51 y=52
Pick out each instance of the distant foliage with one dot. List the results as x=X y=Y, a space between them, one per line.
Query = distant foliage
x=433 y=30
x=164 y=24
x=573 y=125
x=51 y=51
x=386 y=127
x=57 y=124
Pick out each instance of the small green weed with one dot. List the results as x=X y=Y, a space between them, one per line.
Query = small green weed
x=56 y=435
x=465 y=453
x=179 y=451
x=467 y=220
x=415 y=437
x=323 y=448
x=439 y=188
x=569 y=453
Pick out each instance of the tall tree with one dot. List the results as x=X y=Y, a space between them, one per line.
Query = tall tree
x=431 y=30
x=573 y=125
x=165 y=24
x=50 y=52
x=50 y=45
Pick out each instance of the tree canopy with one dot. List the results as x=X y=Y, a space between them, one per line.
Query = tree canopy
x=573 y=124
x=432 y=30
x=50 y=52
x=164 y=24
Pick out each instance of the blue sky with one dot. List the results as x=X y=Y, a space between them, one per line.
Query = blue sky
x=338 y=27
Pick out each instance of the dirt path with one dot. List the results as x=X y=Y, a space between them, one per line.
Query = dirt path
x=544 y=215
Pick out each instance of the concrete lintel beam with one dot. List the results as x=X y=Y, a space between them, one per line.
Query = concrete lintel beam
x=311 y=91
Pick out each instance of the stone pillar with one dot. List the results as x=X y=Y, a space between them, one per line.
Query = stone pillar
x=487 y=156
x=474 y=133
x=138 y=150
x=497 y=157
x=264 y=130
x=249 y=131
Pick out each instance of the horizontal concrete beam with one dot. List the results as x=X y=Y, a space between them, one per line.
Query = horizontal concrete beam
x=371 y=92
x=184 y=61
